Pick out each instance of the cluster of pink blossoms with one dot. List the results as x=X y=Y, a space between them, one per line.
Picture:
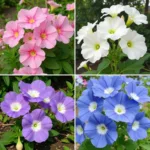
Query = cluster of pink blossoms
x=38 y=29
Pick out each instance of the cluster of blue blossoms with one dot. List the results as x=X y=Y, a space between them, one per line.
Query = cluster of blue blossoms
x=108 y=101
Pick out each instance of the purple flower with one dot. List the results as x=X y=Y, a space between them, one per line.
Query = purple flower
x=107 y=86
x=14 y=105
x=137 y=129
x=101 y=130
x=63 y=107
x=47 y=97
x=36 y=126
x=137 y=93
x=33 y=92
x=121 y=108
x=88 y=104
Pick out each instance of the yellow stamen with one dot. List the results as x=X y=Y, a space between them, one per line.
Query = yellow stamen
x=31 y=21
x=16 y=34
x=130 y=44
x=97 y=47
x=58 y=30
x=30 y=38
x=43 y=36
x=32 y=53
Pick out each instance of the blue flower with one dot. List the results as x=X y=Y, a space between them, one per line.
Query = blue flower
x=80 y=137
x=137 y=129
x=127 y=80
x=88 y=104
x=107 y=86
x=91 y=82
x=148 y=83
x=121 y=108
x=137 y=93
x=79 y=80
x=101 y=130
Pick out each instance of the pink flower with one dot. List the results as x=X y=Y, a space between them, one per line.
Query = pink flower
x=72 y=23
x=31 y=55
x=46 y=35
x=84 y=82
x=29 y=19
x=53 y=4
x=13 y=33
x=1 y=35
x=29 y=38
x=64 y=29
x=45 y=11
x=28 y=70
x=70 y=7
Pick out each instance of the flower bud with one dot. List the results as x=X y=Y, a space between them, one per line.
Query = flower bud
x=19 y=145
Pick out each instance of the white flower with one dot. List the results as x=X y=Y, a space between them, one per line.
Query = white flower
x=114 y=10
x=135 y=16
x=94 y=47
x=113 y=28
x=83 y=64
x=84 y=31
x=133 y=45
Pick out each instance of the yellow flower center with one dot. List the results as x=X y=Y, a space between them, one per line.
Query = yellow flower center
x=30 y=38
x=129 y=44
x=112 y=31
x=16 y=34
x=58 y=30
x=31 y=21
x=97 y=47
x=32 y=53
x=43 y=36
x=119 y=110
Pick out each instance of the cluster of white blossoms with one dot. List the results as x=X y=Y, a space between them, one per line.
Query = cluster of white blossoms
x=96 y=43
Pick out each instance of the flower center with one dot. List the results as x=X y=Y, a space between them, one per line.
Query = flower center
x=33 y=93
x=112 y=31
x=79 y=130
x=46 y=100
x=129 y=44
x=92 y=106
x=97 y=47
x=15 y=106
x=43 y=36
x=109 y=90
x=16 y=34
x=61 y=108
x=102 y=129
x=59 y=30
x=31 y=21
x=30 y=38
x=135 y=125
x=32 y=53
x=134 y=96
x=36 y=126
x=120 y=109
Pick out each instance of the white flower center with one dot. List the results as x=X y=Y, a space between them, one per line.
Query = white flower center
x=61 y=108
x=112 y=31
x=46 y=100
x=134 y=96
x=92 y=106
x=130 y=44
x=120 y=109
x=135 y=125
x=102 y=129
x=33 y=93
x=109 y=90
x=79 y=130
x=97 y=46
x=15 y=106
x=36 y=126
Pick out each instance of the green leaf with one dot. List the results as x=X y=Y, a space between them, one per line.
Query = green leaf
x=67 y=67
x=48 y=82
x=91 y=72
x=66 y=148
x=51 y=63
x=50 y=53
x=28 y=146
x=70 y=86
x=130 y=145
x=54 y=133
x=71 y=138
x=104 y=64
x=6 y=80
x=65 y=141
x=15 y=87
x=145 y=146
x=2 y=147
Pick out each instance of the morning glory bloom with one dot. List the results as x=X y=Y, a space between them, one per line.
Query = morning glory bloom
x=63 y=107
x=14 y=105
x=101 y=130
x=47 y=97
x=32 y=92
x=80 y=137
x=121 y=108
x=107 y=86
x=88 y=104
x=36 y=126
x=127 y=80
x=137 y=93
x=137 y=129
x=148 y=83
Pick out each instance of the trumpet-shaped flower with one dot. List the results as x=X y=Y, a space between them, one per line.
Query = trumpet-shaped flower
x=137 y=93
x=84 y=31
x=31 y=55
x=135 y=16
x=36 y=126
x=29 y=38
x=101 y=130
x=88 y=104
x=64 y=29
x=46 y=35
x=83 y=64
x=113 y=28
x=70 y=7
x=29 y=19
x=137 y=129
x=114 y=10
x=94 y=47
x=13 y=33
x=133 y=45
x=120 y=108
x=14 y=105
x=53 y=5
